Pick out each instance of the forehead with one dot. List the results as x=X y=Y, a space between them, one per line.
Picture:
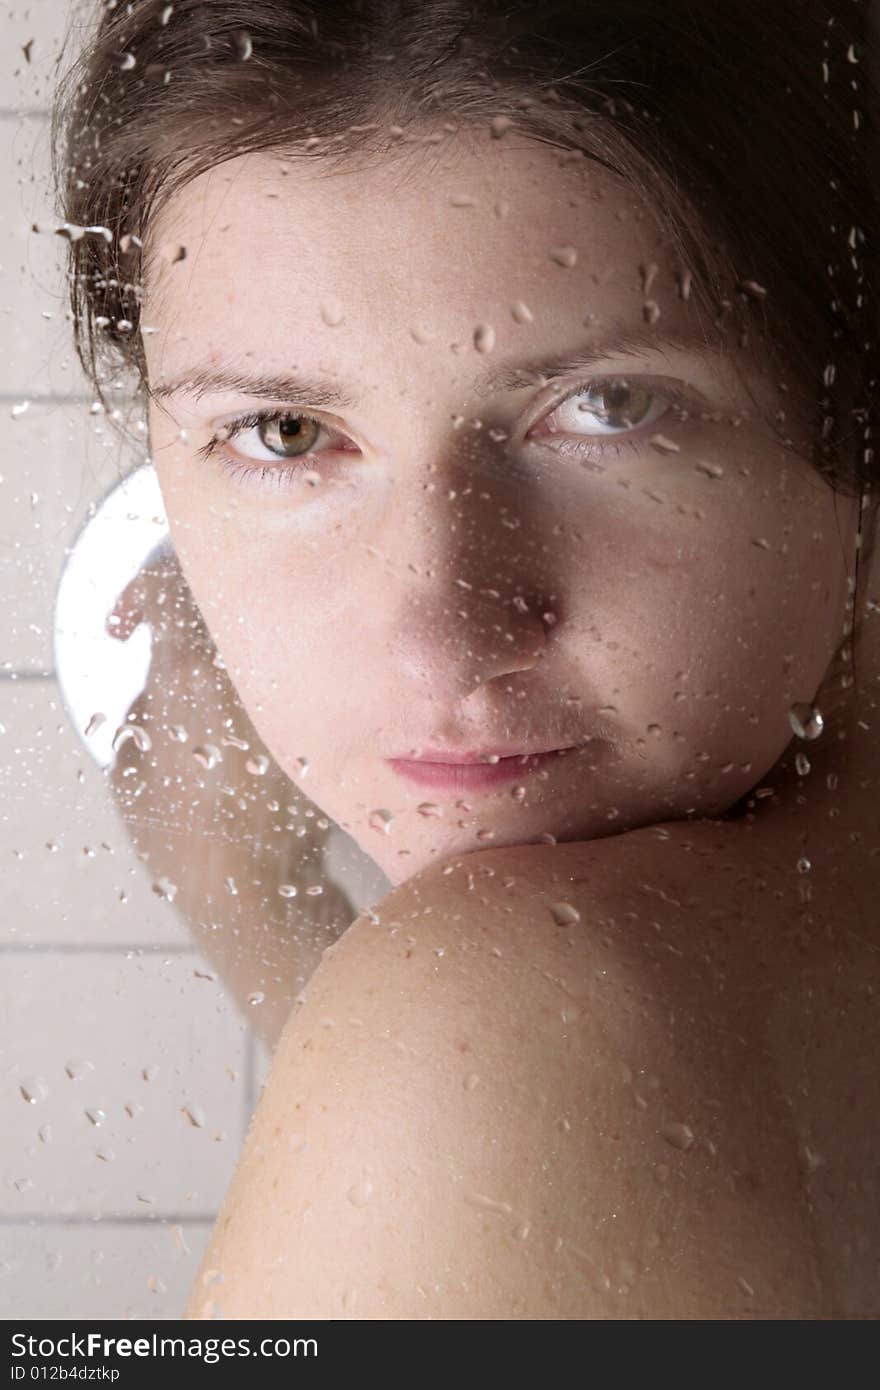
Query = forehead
x=442 y=224
x=337 y=270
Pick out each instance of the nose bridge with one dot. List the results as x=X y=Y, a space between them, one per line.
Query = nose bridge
x=473 y=603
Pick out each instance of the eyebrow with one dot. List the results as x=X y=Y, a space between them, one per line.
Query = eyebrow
x=216 y=379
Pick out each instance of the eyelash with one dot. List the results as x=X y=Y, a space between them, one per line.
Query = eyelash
x=282 y=473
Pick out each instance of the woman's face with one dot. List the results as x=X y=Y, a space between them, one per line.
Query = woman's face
x=429 y=550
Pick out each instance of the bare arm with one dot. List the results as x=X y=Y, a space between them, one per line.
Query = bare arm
x=222 y=839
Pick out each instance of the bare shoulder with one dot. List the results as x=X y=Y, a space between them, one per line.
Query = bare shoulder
x=514 y=1090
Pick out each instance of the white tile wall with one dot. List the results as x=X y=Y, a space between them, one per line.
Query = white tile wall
x=124 y=1088
x=99 y=974
x=56 y=461
x=83 y=1268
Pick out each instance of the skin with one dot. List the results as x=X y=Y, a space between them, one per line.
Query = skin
x=677 y=640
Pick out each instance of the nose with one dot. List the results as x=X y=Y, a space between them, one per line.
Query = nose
x=452 y=640
x=472 y=607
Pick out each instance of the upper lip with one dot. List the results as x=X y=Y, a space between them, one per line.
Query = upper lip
x=448 y=755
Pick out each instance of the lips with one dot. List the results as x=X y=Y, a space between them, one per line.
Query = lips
x=440 y=755
x=461 y=773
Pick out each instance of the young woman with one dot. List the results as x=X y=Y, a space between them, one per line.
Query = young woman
x=510 y=380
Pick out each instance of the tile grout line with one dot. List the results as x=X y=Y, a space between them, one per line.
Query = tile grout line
x=26 y=675
x=47 y=398
x=74 y=948
x=113 y=1219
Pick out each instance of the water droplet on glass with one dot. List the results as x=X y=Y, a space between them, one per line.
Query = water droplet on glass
x=565 y=256
x=76 y=1070
x=564 y=915
x=208 y=755
x=287 y=890
x=95 y=1116
x=520 y=312
x=150 y=1071
x=178 y=733
x=164 y=888
x=678 y=1135
x=303 y=764
x=429 y=808
x=806 y=721
x=32 y=1089
x=258 y=766
x=471 y=1081
x=256 y=997
x=479 y=1199
x=195 y=1114
x=231 y=741
x=712 y=470
x=804 y=866
x=142 y=740
x=44 y=1134
x=332 y=313
x=360 y=1193
x=802 y=764
x=499 y=125
x=380 y=820
x=94 y=724
x=664 y=445
x=484 y=337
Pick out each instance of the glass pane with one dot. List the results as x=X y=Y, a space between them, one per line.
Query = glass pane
x=475 y=453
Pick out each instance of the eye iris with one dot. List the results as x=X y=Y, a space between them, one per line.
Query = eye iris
x=292 y=429
x=630 y=403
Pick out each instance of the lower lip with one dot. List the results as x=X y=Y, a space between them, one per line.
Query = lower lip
x=460 y=777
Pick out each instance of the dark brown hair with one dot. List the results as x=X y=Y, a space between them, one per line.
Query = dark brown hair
x=748 y=128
